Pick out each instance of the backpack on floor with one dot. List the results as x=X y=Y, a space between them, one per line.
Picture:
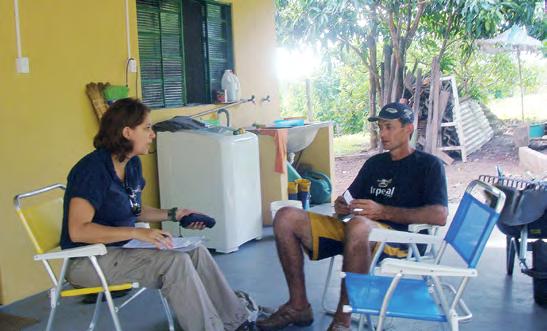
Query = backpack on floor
x=249 y=304
x=321 y=186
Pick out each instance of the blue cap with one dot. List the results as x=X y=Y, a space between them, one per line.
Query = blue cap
x=394 y=111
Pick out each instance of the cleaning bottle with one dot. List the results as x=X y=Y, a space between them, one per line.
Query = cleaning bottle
x=230 y=83
x=304 y=192
x=293 y=190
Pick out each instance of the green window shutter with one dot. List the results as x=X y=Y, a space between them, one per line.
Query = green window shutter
x=218 y=44
x=161 y=52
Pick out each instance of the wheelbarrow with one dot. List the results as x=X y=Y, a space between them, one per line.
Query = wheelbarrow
x=523 y=220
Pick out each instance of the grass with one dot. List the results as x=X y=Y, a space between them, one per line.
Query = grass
x=509 y=108
x=505 y=109
x=350 y=144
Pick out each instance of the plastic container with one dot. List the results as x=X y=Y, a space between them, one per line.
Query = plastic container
x=230 y=83
x=288 y=123
x=212 y=121
x=114 y=92
x=276 y=205
x=537 y=130
x=292 y=188
x=292 y=174
x=304 y=192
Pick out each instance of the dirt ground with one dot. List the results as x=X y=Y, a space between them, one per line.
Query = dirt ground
x=499 y=151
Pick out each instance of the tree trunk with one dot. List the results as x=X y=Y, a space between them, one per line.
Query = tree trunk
x=386 y=90
x=398 y=87
x=373 y=87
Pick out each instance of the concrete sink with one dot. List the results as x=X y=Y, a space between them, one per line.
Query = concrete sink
x=300 y=137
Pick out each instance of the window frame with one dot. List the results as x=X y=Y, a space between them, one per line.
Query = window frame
x=226 y=60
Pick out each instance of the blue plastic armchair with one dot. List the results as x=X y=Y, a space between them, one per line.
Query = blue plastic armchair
x=423 y=296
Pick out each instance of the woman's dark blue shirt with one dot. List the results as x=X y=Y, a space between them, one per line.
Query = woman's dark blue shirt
x=93 y=178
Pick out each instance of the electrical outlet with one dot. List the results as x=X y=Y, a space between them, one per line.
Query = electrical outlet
x=132 y=65
x=22 y=65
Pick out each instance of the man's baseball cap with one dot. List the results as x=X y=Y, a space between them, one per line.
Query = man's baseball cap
x=394 y=111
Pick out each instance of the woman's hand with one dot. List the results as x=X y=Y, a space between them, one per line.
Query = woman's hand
x=181 y=212
x=192 y=226
x=159 y=238
x=340 y=206
x=195 y=226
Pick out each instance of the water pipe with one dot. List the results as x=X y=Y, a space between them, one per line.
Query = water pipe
x=225 y=112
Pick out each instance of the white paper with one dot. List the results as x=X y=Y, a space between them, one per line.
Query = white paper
x=347 y=197
x=179 y=243
x=346 y=218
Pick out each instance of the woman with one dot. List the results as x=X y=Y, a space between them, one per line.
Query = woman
x=102 y=203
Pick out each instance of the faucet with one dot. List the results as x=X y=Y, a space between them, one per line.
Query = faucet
x=225 y=113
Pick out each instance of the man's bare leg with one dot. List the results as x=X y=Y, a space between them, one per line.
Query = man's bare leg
x=292 y=231
x=357 y=257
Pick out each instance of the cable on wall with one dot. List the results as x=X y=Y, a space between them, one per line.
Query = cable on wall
x=131 y=64
x=21 y=63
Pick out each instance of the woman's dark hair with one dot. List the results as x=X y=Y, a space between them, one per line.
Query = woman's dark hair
x=124 y=112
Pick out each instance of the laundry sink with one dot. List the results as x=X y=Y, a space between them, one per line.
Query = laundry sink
x=300 y=137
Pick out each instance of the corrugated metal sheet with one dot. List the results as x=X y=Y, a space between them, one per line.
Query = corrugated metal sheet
x=476 y=128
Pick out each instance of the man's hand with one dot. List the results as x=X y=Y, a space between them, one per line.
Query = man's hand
x=192 y=226
x=340 y=206
x=159 y=238
x=367 y=208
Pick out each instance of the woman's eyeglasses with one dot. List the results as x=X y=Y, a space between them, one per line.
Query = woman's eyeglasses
x=133 y=203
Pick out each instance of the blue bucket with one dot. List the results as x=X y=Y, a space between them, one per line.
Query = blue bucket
x=537 y=130
x=288 y=123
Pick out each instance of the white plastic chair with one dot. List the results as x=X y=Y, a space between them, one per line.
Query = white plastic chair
x=42 y=220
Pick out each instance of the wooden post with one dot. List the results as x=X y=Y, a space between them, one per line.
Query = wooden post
x=436 y=110
x=416 y=106
x=431 y=136
x=520 y=83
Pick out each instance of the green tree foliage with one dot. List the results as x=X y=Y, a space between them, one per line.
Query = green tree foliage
x=464 y=21
x=381 y=40
x=340 y=95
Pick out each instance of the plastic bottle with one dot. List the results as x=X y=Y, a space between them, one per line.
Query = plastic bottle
x=293 y=190
x=230 y=83
x=304 y=192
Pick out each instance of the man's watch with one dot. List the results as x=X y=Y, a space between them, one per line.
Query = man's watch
x=172 y=214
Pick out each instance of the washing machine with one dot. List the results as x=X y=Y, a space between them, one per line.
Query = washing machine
x=217 y=173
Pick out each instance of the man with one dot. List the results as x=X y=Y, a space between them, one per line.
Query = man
x=392 y=190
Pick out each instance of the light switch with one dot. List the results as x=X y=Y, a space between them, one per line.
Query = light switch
x=132 y=65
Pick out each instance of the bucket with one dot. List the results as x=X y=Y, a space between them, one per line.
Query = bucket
x=537 y=130
x=276 y=205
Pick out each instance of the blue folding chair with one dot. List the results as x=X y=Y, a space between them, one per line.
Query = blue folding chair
x=425 y=297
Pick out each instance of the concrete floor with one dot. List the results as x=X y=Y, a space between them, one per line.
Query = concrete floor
x=497 y=301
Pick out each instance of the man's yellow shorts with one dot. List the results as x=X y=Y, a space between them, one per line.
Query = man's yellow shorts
x=328 y=238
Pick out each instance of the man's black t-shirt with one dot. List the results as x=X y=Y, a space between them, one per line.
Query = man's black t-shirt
x=415 y=181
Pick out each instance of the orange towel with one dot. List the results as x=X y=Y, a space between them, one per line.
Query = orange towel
x=280 y=141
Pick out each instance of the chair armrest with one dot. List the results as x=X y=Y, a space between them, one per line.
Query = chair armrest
x=393 y=266
x=403 y=237
x=419 y=227
x=84 y=251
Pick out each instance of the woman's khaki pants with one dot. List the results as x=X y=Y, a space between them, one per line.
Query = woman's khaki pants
x=191 y=282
